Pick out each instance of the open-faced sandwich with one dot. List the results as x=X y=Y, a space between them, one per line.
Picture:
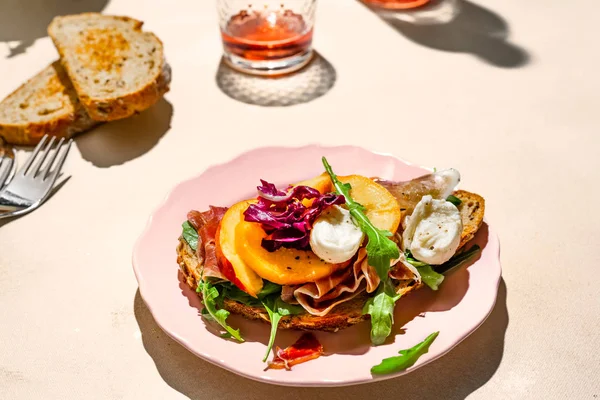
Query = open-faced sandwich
x=327 y=253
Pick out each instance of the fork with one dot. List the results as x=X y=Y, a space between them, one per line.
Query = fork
x=32 y=183
x=7 y=163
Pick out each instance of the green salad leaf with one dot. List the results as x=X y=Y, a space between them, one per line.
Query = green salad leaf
x=190 y=235
x=430 y=277
x=380 y=249
x=212 y=299
x=269 y=298
x=458 y=260
x=381 y=309
x=454 y=200
x=380 y=252
x=277 y=308
x=269 y=288
x=407 y=358
x=232 y=292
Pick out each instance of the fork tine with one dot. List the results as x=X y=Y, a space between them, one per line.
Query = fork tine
x=33 y=171
x=48 y=166
x=5 y=167
x=60 y=161
x=27 y=164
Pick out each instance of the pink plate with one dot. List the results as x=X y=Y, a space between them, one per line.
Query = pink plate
x=461 y=305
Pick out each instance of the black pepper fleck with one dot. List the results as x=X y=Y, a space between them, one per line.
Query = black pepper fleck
x=297 y=257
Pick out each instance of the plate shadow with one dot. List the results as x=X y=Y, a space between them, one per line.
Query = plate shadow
x=310 y=83
x=459 y=26
x=24 y=22
x=118 y=142
x=458 y=374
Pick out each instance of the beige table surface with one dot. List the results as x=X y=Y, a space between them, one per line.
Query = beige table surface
x=512 y=101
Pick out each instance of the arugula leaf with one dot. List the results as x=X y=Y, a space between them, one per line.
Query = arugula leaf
x=269 y=288
x=454 y=200
x=380 y=252
x=380 y=249
x=407 y=358
x=458 y=260
x=190 y=235
x=232 y=292
x=381 y=309
x=430 y=277
x=277 y=308
x=211 y=296
x=411 y=259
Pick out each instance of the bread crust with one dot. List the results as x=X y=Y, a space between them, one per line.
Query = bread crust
x=472 y=210
x=122 y=106
x=72 y=120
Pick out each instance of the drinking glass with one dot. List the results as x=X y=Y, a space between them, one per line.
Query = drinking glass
x=396 y=4
x=267 y=37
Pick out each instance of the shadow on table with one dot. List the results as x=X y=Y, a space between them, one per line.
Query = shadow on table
x=459 y=26
x=24 y=22
x=310 y=83
x=455 y=376
x=117 y=142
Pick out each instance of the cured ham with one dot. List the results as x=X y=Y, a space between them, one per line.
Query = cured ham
x=439 y=185
x=320 y=297
x=206 y=224
x=305 y=349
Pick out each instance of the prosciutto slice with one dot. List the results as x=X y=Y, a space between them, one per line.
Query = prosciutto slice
x=206 y=224
x=320 y=297
x=305 y=349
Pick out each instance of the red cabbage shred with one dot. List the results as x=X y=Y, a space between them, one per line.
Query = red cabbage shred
x=283 y=216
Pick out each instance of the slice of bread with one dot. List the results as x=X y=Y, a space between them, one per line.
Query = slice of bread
x=472 y=209
x=45 y=104
x=345 y=314
x=117 y=69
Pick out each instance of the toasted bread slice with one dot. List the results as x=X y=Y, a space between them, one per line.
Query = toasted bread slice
x=45 y=104
x=116 y=68
x=345 y=314
x=472 y=209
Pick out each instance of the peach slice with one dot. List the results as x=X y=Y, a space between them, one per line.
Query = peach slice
x=381 y=206
x=239 y=242
x=227 y=254
x=283 y=266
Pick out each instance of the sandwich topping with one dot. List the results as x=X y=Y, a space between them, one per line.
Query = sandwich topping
x=301 y=253
x=320 y=297
x=432 y=232
x=334 y=236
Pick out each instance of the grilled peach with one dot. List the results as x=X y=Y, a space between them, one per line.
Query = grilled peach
x=240 y=241
x=381 y=207
x=227 y=254
x=322 y=183
x=283 y=266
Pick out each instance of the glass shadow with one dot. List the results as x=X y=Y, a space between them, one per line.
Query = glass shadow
x=310 y=83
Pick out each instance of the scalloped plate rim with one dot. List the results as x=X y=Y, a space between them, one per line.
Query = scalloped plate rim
x=492 y=241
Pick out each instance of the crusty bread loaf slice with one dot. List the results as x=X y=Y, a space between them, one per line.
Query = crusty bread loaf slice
x=345 y=314
x=116 y=68
x=45 y=104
